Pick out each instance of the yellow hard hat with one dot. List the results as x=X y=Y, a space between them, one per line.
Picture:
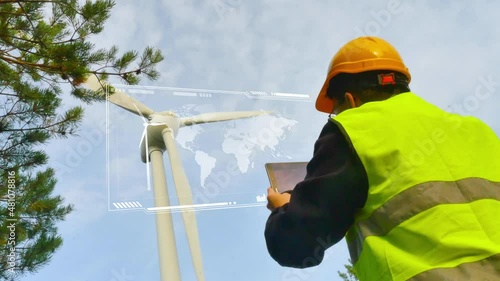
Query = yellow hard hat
x=359 y=55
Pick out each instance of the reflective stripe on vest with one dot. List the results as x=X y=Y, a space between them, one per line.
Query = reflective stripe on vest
x=434 y=190
x=430 y=194
x=484 y=270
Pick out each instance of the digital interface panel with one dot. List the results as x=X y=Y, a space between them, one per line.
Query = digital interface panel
x=223 y=161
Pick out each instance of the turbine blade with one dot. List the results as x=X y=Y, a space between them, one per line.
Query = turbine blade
x=93 y=83
x=120 y=99
x=146 y=147
x=130 y=104
x=219 y=116
x=185 y=198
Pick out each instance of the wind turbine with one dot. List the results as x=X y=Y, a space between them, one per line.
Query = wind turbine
x=159 y=136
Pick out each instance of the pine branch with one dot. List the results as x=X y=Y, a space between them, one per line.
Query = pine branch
x=15 y=60
x=37 y=128
x=30 y=21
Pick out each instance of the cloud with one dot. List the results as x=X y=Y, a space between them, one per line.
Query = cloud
x=286 y=46
x=90 y=205
x=283 y=46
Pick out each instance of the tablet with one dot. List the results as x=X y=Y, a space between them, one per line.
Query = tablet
x=285 y=175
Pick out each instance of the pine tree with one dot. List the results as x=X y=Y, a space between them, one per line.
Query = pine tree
x=45 y=44
x=350 y=275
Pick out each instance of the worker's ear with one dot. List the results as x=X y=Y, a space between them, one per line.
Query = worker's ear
x=352 y=100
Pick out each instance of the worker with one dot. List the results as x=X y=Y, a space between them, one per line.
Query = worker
x=414 y=190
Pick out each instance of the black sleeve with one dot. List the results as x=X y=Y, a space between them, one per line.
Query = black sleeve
x=321 y=207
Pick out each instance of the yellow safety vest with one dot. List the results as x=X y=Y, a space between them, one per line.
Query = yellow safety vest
x=433 y=207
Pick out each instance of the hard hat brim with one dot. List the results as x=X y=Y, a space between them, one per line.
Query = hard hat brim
x=323 y=102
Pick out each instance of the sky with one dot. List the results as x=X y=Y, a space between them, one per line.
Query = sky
x=450 y=48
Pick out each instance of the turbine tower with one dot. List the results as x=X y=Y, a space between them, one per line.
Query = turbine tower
x=159 y=136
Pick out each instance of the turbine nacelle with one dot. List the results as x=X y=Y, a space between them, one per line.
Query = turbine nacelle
x=168 y=118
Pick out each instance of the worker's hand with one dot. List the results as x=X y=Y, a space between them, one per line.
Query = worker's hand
x=276 y=199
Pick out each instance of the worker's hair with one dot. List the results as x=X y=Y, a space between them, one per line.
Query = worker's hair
x=366 y=86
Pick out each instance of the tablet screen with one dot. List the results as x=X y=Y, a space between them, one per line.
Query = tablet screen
x=285 y=175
